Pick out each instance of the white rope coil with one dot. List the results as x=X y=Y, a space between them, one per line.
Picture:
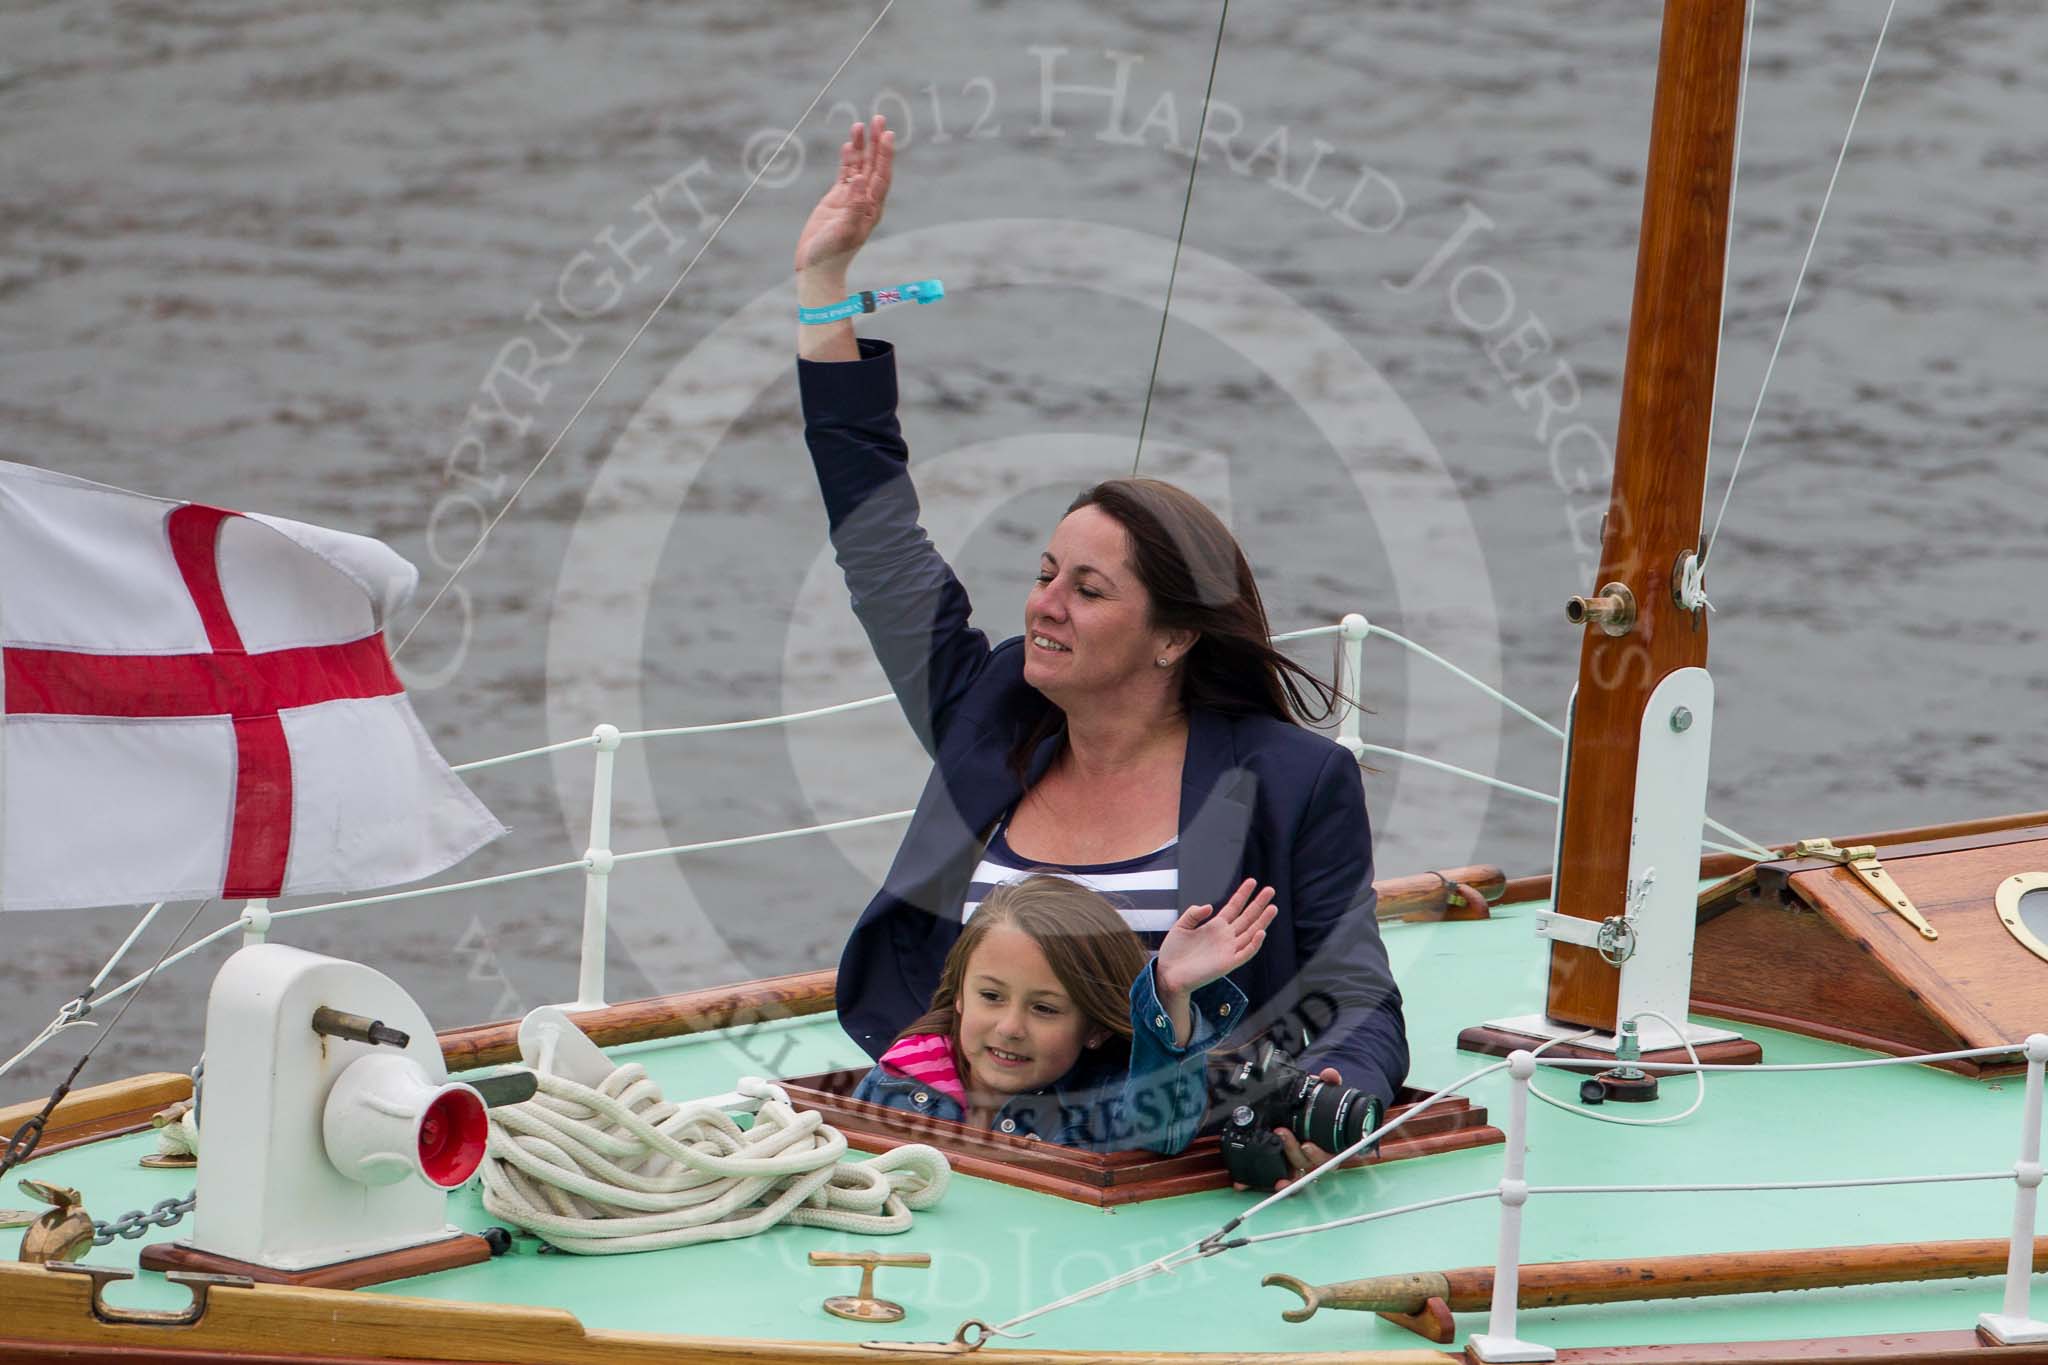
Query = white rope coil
x=617 y=1168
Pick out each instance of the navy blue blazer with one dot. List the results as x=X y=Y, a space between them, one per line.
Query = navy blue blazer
x=1260 y=797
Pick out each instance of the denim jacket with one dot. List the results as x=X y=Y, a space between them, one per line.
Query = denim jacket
x=1156 y=1103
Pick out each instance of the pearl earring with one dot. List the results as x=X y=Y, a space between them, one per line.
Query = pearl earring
x=1161 y=661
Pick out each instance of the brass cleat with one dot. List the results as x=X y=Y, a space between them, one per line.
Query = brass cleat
x=863 y=1306
x=1862 y=860
x=64 y=1233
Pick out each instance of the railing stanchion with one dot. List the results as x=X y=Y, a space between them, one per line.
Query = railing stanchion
x=2017 y=1326
x=1499 y=1345
x=1351 y=682
x=255 y=922
x=597 y=880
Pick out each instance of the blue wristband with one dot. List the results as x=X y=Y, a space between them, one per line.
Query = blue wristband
x=868 y=300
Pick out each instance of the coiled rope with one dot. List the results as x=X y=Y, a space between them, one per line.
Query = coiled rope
x=617 y=1168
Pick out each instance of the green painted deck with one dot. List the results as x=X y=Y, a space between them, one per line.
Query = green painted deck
x=998 y=1250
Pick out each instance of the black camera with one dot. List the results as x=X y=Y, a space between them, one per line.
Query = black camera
x=1267 y=1092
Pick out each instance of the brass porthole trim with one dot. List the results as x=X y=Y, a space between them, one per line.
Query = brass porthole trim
x=2008 y=901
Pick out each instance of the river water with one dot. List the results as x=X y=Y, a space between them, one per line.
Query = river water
x=360 y=265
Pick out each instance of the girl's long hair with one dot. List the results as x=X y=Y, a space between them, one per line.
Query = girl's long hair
x=1199 y=580
x=1091 y=950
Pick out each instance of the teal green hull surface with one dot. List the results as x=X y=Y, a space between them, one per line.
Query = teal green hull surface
x=997 y=1250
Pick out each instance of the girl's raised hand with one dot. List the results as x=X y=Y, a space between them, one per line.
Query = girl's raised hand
x=848 y=212
x=1206 y=943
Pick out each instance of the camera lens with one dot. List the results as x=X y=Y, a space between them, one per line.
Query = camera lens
x=1332 y=1116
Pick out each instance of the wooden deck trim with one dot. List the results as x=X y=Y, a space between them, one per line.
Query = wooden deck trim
x=99 y=1111
x=50 y=1319
x=660 y=1016
x=50 y=1314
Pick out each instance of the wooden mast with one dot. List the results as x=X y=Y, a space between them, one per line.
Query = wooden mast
x=1653 y=515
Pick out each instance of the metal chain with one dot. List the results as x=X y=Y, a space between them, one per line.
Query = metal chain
x=165 y=1214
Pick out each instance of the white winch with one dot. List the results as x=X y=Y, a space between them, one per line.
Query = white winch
x=330 y=1128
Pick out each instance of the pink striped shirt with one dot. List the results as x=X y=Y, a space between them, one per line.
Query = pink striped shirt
x=928 y=1058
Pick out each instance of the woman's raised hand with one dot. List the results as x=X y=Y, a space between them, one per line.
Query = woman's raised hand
x=1206 y=943
x=848 y=212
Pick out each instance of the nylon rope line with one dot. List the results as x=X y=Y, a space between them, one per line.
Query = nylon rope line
x=1728 y=237
x=1798 y=280
x=1739 y=837
x=614 y=1167
x=1692 y=1055
x=604 y=379
x=1173 y=271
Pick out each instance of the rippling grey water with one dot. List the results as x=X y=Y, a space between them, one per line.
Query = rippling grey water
x=359 y=264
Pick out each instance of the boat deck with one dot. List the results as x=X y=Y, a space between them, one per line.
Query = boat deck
x=998 y=1250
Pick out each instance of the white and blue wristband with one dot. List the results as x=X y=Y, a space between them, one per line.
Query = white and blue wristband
x=868 y=300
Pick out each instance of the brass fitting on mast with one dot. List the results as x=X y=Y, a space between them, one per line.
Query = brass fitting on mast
x=1614 y=610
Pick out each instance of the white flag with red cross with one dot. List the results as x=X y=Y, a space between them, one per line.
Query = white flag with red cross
x=197 y=702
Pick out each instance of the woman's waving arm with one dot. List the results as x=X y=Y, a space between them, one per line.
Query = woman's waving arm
x=836 y=230
x=909 y=601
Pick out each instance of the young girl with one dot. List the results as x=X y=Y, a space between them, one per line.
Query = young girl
x=1048 y=1021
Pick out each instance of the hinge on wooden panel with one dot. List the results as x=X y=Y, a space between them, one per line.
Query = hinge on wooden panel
x=1862 y=860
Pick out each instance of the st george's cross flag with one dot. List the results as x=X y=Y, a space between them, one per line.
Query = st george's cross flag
x=196 y=702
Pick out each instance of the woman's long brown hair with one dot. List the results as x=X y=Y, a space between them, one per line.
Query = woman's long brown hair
x=1091 y=950
x=1199 y=580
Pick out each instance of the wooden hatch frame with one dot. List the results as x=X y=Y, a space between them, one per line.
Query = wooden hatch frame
x=1098 y=1178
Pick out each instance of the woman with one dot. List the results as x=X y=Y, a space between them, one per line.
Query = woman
x=1141 y=732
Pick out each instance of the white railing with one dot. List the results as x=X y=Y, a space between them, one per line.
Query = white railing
x=1501 y=1345
x=599 y=859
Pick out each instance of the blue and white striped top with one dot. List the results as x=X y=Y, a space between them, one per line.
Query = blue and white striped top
x=1145 y=890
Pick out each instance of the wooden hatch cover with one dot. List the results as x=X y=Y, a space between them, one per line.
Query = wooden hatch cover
x=1808 y=946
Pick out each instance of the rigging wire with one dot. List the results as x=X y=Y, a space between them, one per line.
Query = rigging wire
x=604 y=379
x=1797 y=281
x=74 y=1012
x=1728 y=237
x=22 y=1144
x=1187 y=202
